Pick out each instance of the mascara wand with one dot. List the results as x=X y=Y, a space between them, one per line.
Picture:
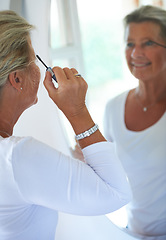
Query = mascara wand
x=49 y=69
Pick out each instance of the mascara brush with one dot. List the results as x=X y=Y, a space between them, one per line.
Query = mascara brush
x=49 y=69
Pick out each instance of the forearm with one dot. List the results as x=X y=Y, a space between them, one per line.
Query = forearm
x=70 y=99
x=82 y=123
x=56 y=181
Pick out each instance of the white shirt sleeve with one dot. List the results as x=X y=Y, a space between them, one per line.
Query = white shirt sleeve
x=48 y=178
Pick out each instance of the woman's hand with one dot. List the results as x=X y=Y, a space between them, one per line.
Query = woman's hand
x=70 y=99
x=71 y=91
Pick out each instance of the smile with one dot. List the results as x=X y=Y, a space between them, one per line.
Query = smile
x=140 y=64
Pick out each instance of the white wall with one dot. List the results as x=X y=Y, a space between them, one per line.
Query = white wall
x=42 y=122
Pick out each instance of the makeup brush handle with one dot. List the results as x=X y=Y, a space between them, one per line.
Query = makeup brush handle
x=49 y=69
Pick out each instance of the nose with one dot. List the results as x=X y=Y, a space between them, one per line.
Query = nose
x=137 y=52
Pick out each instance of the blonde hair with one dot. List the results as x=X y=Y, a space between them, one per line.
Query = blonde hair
x=148 y=13
x=14 y=47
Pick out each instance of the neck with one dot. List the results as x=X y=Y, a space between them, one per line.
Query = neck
x=147 y=96
x=150 y=93
x=9 y=111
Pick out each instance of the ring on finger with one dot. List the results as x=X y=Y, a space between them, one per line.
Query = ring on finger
x=77 y=75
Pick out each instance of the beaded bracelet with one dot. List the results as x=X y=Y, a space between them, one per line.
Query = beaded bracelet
x=87 y=133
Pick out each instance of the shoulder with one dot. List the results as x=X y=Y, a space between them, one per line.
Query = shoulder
x=8 y=144
x=15 y=146
x=28 y=154
x=15 y=142
x=26 y=147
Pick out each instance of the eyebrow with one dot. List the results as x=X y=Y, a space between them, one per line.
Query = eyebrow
x=159 y=44
x=148 y=39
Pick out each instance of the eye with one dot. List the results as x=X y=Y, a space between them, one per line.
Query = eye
x=148 y=43
x=130 y=44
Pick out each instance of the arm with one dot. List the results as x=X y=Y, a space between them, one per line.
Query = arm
x=48 y=178
x=70 y=99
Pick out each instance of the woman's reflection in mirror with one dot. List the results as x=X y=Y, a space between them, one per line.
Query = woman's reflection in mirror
x=136 y=121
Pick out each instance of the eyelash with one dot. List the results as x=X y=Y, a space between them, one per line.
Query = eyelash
x=151 y=43
x=130 y=44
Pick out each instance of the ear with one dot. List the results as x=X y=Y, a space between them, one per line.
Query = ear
x=15 y=81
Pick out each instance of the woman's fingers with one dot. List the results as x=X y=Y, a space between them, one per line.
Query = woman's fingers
x=48 y=82
x=71 y=91
x=69 y=73
x=74 y=71
x=60 y=74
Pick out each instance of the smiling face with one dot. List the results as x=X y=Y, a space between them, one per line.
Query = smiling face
x=146 y=60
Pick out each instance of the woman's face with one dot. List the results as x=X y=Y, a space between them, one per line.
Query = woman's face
x=146 y=60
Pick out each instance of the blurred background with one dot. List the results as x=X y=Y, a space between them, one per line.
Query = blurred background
x=89 y=36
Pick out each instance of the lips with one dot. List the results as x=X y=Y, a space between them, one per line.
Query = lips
x=134 y=64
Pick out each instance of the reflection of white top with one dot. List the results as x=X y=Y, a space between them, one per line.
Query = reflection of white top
x=143 y=156
x=36 y=181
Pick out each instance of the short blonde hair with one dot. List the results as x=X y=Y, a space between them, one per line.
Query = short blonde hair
x=14 y=47
x=148 y=13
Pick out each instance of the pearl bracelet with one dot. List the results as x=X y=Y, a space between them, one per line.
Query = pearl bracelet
x=87 y=133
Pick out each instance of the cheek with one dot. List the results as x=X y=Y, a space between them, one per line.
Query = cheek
x=38 y=75
x=35 y=77
x=128 y=56
x=158 y=62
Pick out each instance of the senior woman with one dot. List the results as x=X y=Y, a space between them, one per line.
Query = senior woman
x=136 y=122
x=36 y=180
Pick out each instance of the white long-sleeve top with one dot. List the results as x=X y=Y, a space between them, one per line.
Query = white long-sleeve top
x=143 y=156
x=36 y=181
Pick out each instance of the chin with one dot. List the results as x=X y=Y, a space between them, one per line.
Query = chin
x=140 y=75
